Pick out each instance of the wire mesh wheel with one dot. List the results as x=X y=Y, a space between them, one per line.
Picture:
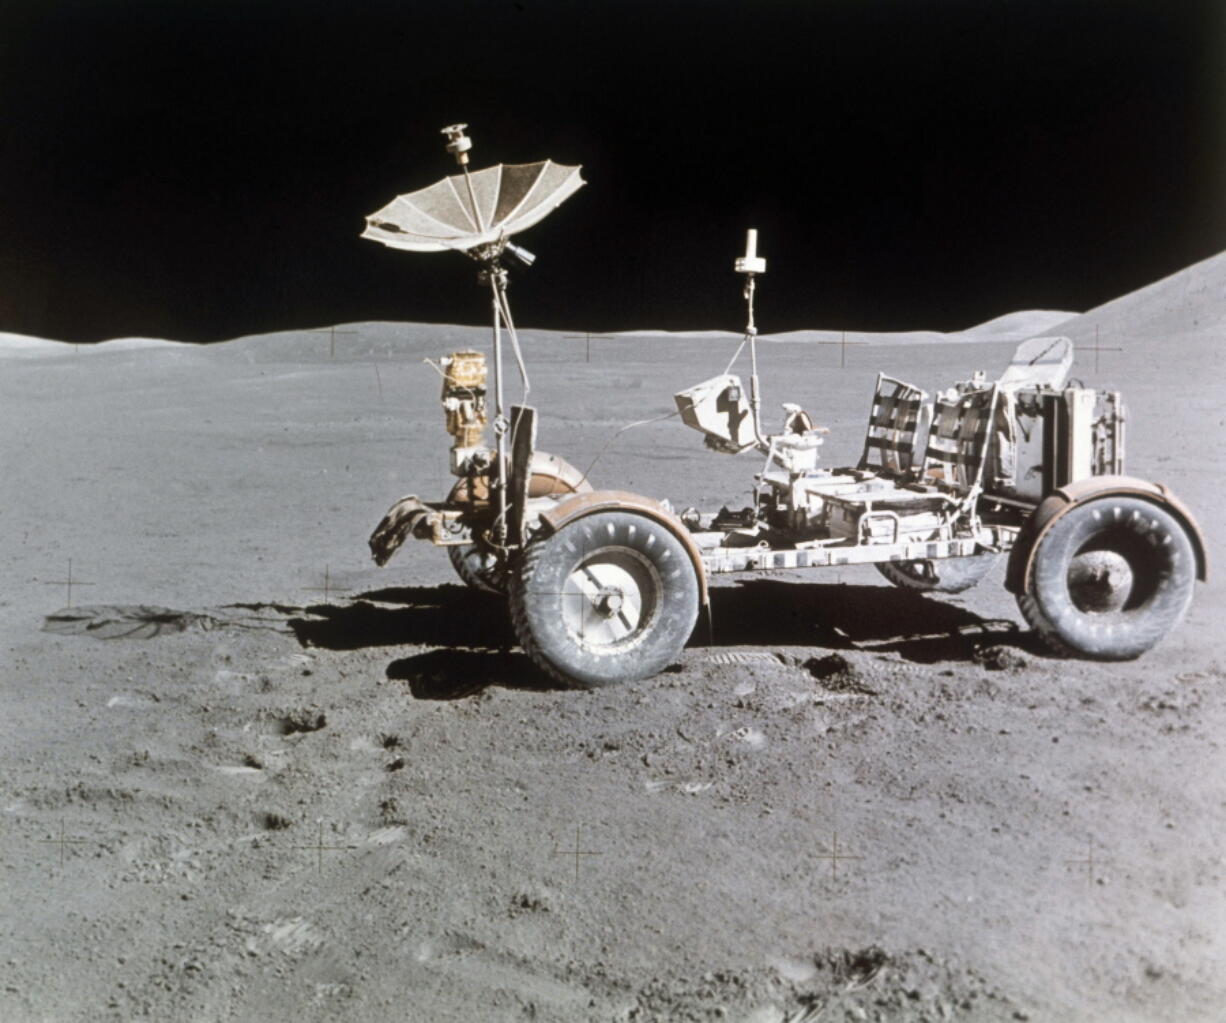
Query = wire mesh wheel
x=1110 y=579
x=611 y=597
x=938 y=575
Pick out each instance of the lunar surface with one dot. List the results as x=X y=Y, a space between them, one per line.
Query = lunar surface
x=250 y=776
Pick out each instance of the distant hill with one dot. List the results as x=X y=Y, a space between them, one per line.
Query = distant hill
x=1189 y=302
x=20 y=344
x=1020 y=326
x=1016 y=326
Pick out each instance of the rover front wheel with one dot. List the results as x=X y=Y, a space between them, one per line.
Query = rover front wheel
x=1110 y=579
x=939 y=575
x=611 y=597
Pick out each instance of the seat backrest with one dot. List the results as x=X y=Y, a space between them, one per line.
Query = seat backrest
x=958 y=441
x=897 y=428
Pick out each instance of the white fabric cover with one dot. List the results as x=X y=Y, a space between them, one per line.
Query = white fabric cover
x=509 y=198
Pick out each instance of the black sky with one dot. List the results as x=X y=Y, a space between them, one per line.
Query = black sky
x=199 y=170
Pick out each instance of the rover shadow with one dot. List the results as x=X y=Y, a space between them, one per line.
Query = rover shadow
x=919 y=628
x=475 y=646
x=470 y=630
x=445 y=616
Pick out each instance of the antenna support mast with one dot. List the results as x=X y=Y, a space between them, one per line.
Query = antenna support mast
x=751 y=264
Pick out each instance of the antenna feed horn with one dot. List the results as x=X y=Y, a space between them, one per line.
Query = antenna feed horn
x=458 y=144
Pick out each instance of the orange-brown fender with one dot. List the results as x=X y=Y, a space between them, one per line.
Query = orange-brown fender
x=571 y=508
x=1060 y=502
x=551 y=474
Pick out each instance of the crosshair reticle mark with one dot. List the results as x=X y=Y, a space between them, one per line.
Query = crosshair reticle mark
x=588 y=338
x=327 y=587
x=1096 y=348
x=319 y=848
x=834 y=856
x=332 y=332
x=63 y=842
x=70 y=582
x=1089 y=862
x=576 y=852
x=842 y=343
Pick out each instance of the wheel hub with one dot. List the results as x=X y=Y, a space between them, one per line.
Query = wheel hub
x=609 y=601
x=608 y=598
x=1100 y=581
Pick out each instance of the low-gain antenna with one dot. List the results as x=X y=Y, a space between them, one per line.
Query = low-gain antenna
x=751 y=264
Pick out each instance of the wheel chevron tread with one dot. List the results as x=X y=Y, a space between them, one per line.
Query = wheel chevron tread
x=1042 y=627
x=519 y=614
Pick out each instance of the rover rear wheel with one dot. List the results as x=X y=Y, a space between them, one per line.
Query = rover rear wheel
x=478 y=568
x=611 y=597
x=940 y=575
x=1110 y=579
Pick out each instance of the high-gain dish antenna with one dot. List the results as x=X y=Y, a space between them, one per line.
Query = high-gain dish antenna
x=474 y=212
x=477 y=212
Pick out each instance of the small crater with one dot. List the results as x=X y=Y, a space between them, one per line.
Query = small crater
x=836 y=673
x=389 y=812
x=854 y=966
x=277 y=822
x=524 y=902
x=302 y=721
x=389 y=741
x=396 y=764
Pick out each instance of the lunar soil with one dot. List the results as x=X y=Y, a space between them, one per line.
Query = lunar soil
x=249 y=776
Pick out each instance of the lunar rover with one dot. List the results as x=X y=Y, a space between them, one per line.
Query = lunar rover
x=607 y=586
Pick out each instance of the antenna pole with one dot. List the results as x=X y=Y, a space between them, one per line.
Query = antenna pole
x=750 y=265
x=499 y=478
x=458 y=145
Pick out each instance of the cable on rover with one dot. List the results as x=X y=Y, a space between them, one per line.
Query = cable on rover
x=628 y=426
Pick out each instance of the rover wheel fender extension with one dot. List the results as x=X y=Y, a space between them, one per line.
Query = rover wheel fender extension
x=1057 y=504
